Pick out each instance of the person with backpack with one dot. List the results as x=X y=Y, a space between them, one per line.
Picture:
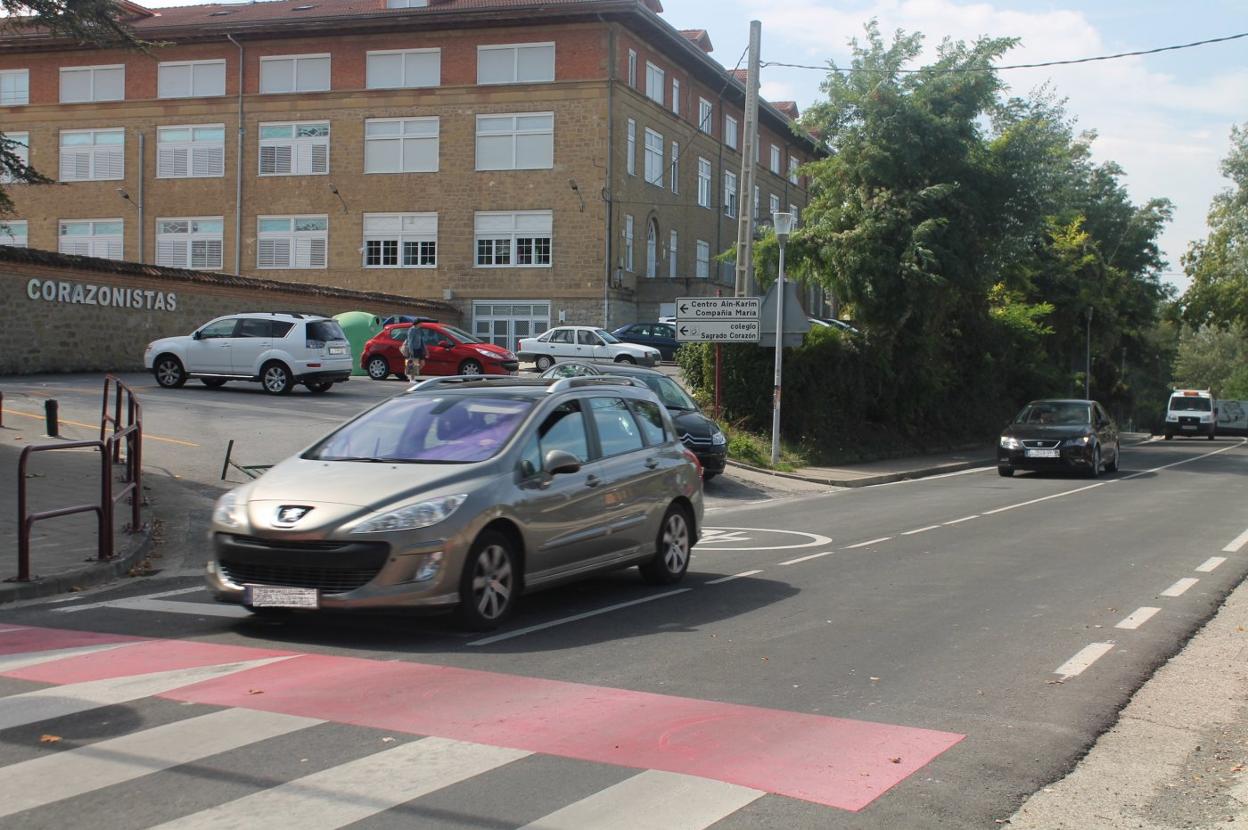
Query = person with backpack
x=414 y=351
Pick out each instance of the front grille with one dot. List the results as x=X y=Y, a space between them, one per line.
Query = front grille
x=1041 y=445
x=1187 y=419
x=331 y=566
x=690 y=441
x=284 y=544
x=329 y=580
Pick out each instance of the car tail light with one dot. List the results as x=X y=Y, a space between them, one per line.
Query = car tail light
x=689 y=454
x=315 y=344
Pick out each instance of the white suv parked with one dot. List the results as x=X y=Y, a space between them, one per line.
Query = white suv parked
x=276 y=349
x=583 y=343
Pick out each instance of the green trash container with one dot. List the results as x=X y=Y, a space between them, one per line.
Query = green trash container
x=359 y=326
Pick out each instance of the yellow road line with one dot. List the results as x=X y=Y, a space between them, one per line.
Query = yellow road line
x=146 y=435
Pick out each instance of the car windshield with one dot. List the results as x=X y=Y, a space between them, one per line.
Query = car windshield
x=1055 y=413
x=607 y=336
x=1182 y=403
x=669 y=392
x=461 y=335
x=428 y=429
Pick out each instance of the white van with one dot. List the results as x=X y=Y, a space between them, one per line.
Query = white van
x=1191 y=412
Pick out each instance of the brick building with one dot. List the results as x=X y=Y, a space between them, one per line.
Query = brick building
x=527 y=161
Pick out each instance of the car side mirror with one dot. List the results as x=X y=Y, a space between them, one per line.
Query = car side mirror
x=196 y=336
x=446 y=344
x=560 y=462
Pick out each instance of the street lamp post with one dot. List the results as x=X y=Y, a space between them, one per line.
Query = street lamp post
x=784 y=226
x=1087 y=361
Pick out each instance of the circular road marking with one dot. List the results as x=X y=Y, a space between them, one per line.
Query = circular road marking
x=720 y=535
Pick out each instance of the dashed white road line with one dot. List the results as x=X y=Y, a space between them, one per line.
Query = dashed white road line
x=1209 y=564
x=741 y=575
x=1088 y=655
x=1043 y=498
x=808 y=558
x=1237 y=543
x=963 y=519
x=868 y=543
x=921 y=530
x=1137 y=618
x=1179 y=588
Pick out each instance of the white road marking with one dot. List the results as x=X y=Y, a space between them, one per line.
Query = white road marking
x=652 y=800
x=963 y=519
x=1237 y=543
x=741 y=575
x=1209 y=564
x=1137 y=618
x=1242 y=441
x=717 y=533
x=1080 y=662
x=1043 y=498
x=356 y=790
x=520 y=632
x=921 y=530
x=868 y=543
x=62 y=775
x=58 y=701
x=971 y=471
x=194 y=609
x=808 y=558
x=13 y=662
x=1179 y=588
x=108 y=603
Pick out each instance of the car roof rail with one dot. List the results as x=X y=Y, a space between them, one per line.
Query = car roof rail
x=484 y=380
x=297 y=314
x=565 y=384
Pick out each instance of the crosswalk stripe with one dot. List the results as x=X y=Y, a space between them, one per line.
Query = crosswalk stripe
x=13 y=662
x=652 y=800
x=194 y=609
x=62 y=775
x=354 y=791
x=58 y=701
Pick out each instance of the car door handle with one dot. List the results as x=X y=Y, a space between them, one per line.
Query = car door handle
x=592 y=481
x=651 y=463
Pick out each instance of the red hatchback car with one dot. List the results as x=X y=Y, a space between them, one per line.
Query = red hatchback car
x=448 y=350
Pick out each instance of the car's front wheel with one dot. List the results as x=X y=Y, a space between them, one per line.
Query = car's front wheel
x=470 y=367
x=1112 y=467
x=378 y=368
x=545 y=362
x=624 y=358
x=488 y=586
x=1095 y=472
x=276 y=379
x=672 y=549
x=169 y=371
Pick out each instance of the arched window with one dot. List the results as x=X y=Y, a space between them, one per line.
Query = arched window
x=652 y=249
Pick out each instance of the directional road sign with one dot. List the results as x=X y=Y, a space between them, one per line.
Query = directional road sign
x=717 y=308
x=717 y=331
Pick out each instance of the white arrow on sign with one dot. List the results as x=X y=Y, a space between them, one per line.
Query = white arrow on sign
x=717 y=331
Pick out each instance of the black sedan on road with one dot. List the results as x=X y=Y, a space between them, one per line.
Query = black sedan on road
x=1070 y=435
x=661 y=336
x=698 y=433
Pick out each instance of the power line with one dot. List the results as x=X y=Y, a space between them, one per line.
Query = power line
x=1021 y=65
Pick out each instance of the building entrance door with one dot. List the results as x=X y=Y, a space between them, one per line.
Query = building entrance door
x=505 y=322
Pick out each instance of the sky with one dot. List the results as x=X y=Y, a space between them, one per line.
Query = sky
x=1165 y=119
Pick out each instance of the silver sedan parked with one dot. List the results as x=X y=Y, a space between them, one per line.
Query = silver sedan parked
x=464 y=493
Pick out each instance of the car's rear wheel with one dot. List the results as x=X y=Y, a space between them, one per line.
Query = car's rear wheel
x=319 y=387
x=276 y=379
x=378 y=368
x=470 y=367
x=625 y=359
x=169 y=371
x=213 y=383
x=488 y=586
x=545 y=362
x=1005 y=472
x=1095 y=472
x=672 y=548
x=1112 y=467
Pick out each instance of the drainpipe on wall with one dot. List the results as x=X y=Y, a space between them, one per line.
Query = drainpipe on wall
x=238 y=167
x=606 y=190
x=139 y=204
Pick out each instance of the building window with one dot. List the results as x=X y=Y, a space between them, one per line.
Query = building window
x=294 y=149
x=775 y=159
x=101 y=238
x=400 y=240
x=631 y=161
x=516 y=141
x=730 y=131
x=521 y=63
x=705 y=116
x=403 y=69
x=730 y=193
x=401 y=145
x=628 y=242
x=793 y=163
x=190 y=243
x=652 y=250
x=294 y=73
x=505 y=322
x=13 y=233
x=513 y=239
x=190 y=79
x=93 y=155
x=632 y=68
x=671 y=256
x=703 y=269
x=675 y=96
x=704 y=183
x=407 y=4
x=655 y=80
x=654 y=158
x=796 y=216
x=14 y=87
x=93 y=83
x=292 y=241
x=675 y=177
x=19 y=145
x=190 y=152
x=774 y=205
x=758 y=197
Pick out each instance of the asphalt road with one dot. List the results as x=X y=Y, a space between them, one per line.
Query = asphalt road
x=924 y=654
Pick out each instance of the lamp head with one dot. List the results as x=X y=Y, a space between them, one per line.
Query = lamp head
x=783 y=223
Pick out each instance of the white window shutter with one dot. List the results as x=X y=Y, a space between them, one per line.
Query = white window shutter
x=207 y=161
x=275 y=159
x=109 y=164
x=171 y=162
x=75 y=166
x=106 y=248
x=76 y=248
x=171 y=253
x=309 y=253
x=273 y=253
x=206 y=253
x=319 y=158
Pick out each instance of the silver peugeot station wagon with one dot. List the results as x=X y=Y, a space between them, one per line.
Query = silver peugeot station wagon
x=465 y=492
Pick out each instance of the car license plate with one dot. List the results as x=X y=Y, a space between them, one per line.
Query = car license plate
x=337 y=349
x=267 y=596
x=1189 y=426
x=1043 y=454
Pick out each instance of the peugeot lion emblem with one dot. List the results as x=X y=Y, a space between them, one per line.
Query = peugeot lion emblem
x=288 y=515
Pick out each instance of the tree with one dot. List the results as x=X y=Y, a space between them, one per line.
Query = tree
x=1218 y=265
x=1214 y=358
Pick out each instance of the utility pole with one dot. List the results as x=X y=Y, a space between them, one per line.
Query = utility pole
x=1087 y=366
x=749 y=160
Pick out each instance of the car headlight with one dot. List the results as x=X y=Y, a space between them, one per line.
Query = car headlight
x=1172 y=417
x=487 y=353
x=413 y=516
x=229 y=511
x=1081 y=441
x=1010 y=443
x=718 y=438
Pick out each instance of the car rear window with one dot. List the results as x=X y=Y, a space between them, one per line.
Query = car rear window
x=1182 y=403
x=428 y=429
x=325 y=330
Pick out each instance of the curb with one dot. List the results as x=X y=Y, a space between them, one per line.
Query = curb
x=88 y=576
